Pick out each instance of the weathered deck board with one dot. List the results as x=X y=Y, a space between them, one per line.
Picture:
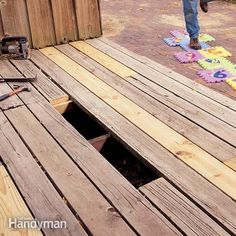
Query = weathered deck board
x=85 y=199
x=40 y=195
x=227 y=102
x=215 y=146
x=217 y=204
x=43 y=84
x=12 y=207
x=203 y=102
x=180 y=209
x=125 y=198
x=205 y=164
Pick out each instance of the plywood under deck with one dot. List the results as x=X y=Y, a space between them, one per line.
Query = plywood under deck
x=187 y=138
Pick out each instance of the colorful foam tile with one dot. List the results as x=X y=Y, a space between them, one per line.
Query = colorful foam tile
x=215 y=75
x=206 y=38
x=179 y=33
x=172 y=42
x=185 y=45
x=215 y=52
x=232 y=82
x=213 y=63
x=188 y=57
x=233 y=69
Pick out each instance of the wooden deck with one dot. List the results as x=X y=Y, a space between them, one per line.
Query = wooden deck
x=182 y=131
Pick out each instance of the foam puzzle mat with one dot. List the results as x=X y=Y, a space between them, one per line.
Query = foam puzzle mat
x=215 y=52
x=232 y=82
x=215 y=76
x=188 y=56
x=212 y=59
x=213 y=63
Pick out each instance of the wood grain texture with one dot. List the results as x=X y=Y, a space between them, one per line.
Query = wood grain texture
x=108 y=62
x=15 y=19
x=205 y=164
x=161 y=108
x=204 y=119
x=88 y=18
x=81 y=194
x=43 y=84
x=180 y=209
x=41 y=23
x=204 y=102
x=227 y=102
x=62 y=107
x=40 y=195
x=174 y=101
x=210 y=198
x=12 y=206
x=64 y=21
x=126 y=200
x=231 y=163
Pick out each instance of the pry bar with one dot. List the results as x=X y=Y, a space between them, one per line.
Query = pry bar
x=18 y=79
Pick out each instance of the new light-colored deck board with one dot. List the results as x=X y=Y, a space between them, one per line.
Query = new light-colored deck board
x=217 y=204
x=187 y=93
x=205 y=164
x=231 y=163
x=108 y=62
x=46 y=87
x=191 y=219
x=162 y=109
x=12 y=207
x=227 y=102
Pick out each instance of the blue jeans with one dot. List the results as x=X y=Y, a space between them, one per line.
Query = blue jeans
x=191 y=16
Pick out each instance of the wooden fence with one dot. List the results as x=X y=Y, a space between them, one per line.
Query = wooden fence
x=50 y=22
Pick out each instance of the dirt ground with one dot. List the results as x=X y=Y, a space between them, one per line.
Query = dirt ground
x=141 y=25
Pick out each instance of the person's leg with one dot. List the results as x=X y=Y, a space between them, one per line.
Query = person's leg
x=191 y=17
x=191 y=21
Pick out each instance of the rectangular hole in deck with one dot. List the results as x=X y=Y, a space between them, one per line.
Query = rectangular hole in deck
x=135 y=171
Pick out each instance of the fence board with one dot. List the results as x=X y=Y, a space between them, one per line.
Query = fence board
x=88 y=18
x=15 y=18
x=64 y=21
x=50 y=22
x=41 y=23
